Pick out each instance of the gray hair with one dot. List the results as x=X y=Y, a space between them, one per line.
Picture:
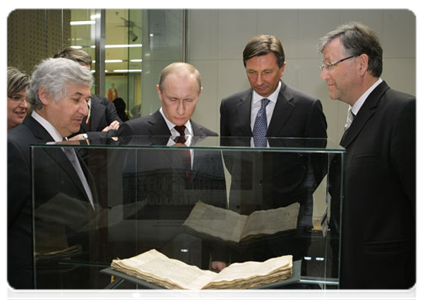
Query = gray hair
x=180 y=68
x=357 y=39
x=17 y=81
x=55 y=74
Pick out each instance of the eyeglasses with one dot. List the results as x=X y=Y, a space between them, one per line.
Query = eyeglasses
x=328 y=66
x=17 y=98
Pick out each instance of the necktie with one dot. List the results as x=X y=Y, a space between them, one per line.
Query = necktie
x=350 y=118
x=181 y=138
x=70 y=153
x=185 y=154
x=260 y=125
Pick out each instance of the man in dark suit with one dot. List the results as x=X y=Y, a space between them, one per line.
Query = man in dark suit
x=379 y=215
x=179 y=90
x=101 y=123
x=60 y=186
x=161 y=177
x=266 y=180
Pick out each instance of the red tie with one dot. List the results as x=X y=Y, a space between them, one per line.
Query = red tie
x=185 y=154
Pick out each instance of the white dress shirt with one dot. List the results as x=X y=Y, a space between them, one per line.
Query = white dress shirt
x=256 y=105
x=189 y=133
x=359 y=103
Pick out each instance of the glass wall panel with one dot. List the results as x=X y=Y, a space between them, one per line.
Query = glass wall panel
x=138 y=44
x=163 y=40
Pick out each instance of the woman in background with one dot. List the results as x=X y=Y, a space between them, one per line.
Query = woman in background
x=17 y=107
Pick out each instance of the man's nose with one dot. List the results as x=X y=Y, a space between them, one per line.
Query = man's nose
x=83 y=108
x=259 y=80
x=181 y=107
x=324 y=74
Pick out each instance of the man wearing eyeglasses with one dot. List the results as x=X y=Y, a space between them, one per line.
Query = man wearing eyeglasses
x=379 y=221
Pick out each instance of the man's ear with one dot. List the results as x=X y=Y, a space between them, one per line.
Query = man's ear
x=363 y=61
x=43 y=95
x=158 y=91
x=282 y=70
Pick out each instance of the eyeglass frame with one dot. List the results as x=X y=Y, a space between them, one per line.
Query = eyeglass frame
x=17 y=98
x=328 y=66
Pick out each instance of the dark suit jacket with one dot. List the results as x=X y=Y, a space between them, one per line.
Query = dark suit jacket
x=156 y=176
x=103 y=112
x=296 y=114
x=54 y=179
x=379 y=215
x=263 y=180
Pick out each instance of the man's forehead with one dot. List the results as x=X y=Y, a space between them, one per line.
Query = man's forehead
x=75 y=89
x=334 y=45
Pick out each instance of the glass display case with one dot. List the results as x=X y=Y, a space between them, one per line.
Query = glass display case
x=141 y=193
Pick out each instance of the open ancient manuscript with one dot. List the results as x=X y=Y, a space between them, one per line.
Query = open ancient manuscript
x=152 y=266
x=233 y=227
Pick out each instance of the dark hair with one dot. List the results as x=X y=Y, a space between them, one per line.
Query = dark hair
x=77 y=55
x=120 y=104
x=120 y=108
x=262 y=45
x=358 y=39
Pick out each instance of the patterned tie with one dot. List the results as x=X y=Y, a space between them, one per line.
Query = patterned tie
x=260 y=125
x=70 y=153
x=185 y=154
x=350 y=118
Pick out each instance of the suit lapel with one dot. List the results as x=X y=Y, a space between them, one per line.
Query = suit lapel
x=157 y=125
x=84 y=126
x=198 y=132
x=38 y=130
x=57 y=154
x=364 y=115
x=64 y=163
x=97 y=112
x=282 y=111
x=244 y=112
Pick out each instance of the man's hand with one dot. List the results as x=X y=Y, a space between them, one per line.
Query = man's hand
x=114 y=125
x=218 y=265
x=78 y=137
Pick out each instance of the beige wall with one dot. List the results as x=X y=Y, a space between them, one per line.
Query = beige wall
x=216 y=39
x=33 y=35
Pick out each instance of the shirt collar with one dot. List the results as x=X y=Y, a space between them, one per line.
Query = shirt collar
x=57 y=137
x=359 y=103
x=273 y=97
